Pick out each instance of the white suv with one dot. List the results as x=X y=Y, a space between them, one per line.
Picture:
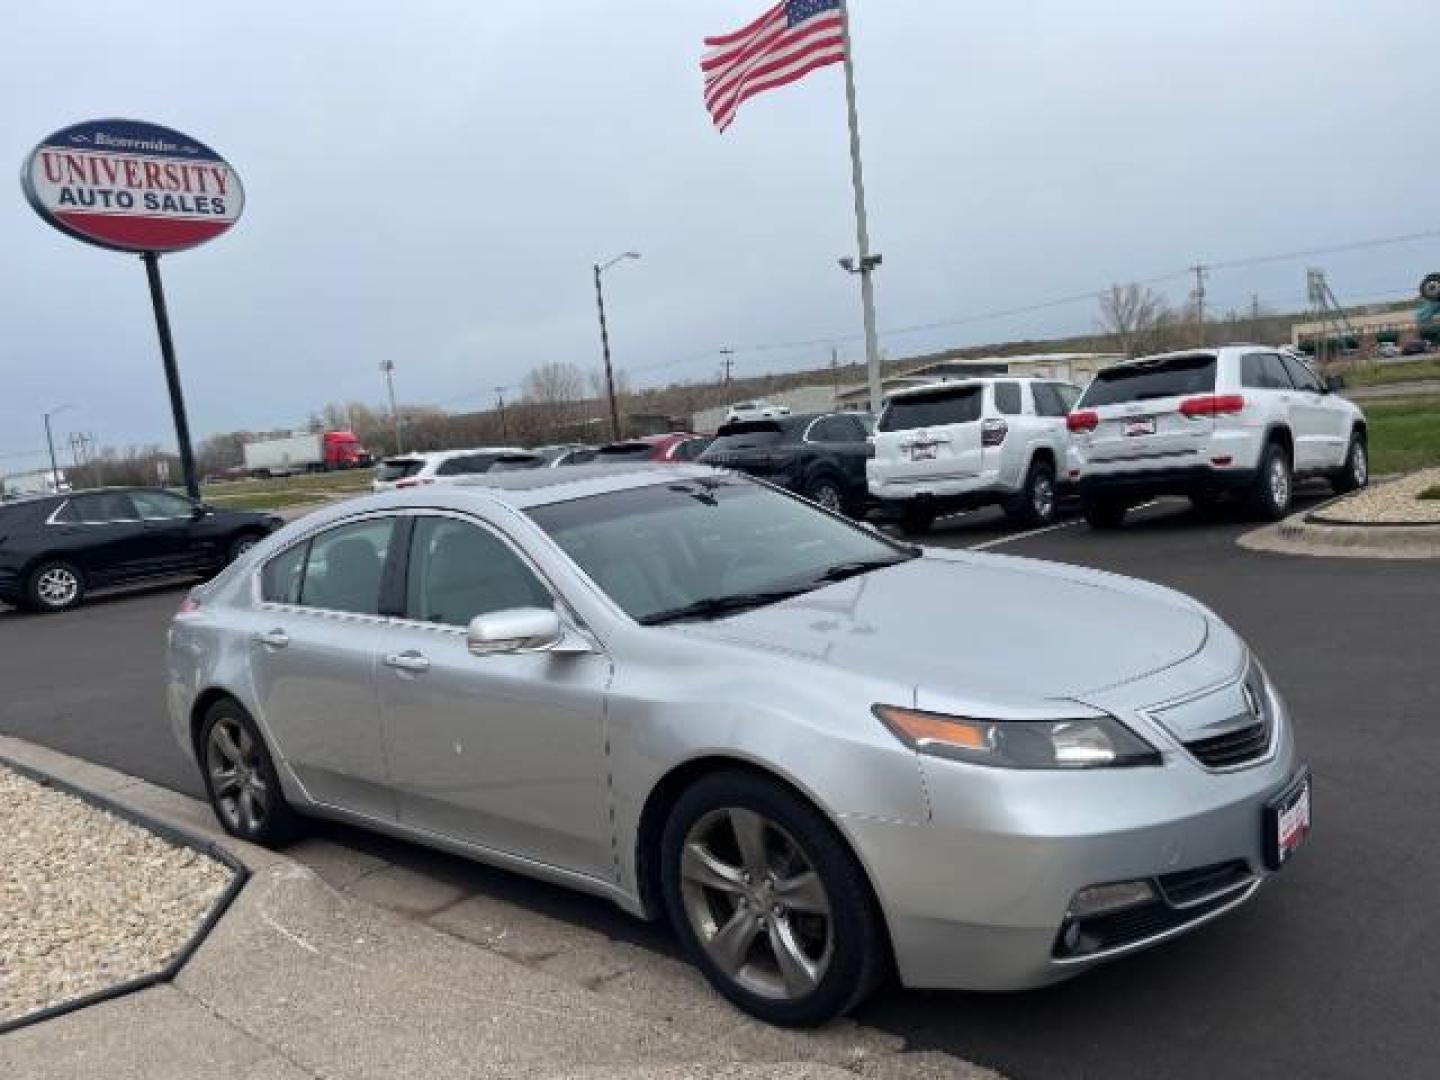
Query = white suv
x=971 y=442
x=1242 y=419
x=437 y=466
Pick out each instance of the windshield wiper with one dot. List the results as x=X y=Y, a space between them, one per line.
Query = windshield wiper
x=714 y=606
x=841 y=571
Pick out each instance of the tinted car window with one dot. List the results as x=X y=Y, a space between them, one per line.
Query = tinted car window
x=516 y=463
x=1145 y=380
x=625 y=452
x=1048 y=401
x=398 y=469
x=458 y=571
x=468 y=465
x=345 y=567
x=829 y=429
x=281 y=578
x=105 y=506
x=746 y=435
x=932 y=408
x=690 y=449
x=1264 y=371
x=1069 y=394
x=1301 y=376
x=1007 y=398
x=161 y=504
x=578 y=457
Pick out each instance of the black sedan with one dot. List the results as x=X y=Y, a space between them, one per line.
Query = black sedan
x=57 y=548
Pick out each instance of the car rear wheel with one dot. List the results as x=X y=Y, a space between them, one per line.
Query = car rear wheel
x=917 y=520
x=240 y=777
x=1355 y=473
x=826 y=493
x=1274 y=484
x=1103 y=512
x=769 y=902
x=243 y=543
x=54 y=586
x=1035 y=505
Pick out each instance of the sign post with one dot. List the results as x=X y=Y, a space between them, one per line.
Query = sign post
x=131 y=186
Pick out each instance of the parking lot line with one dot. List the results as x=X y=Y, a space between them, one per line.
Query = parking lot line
x=987 y=544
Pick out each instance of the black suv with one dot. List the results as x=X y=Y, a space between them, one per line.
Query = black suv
x=56 y=548
x=820 y=456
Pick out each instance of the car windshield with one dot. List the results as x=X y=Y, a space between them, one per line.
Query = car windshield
x=952 y=405
x=398 y=468
x=1146 y=380
x=708 y=547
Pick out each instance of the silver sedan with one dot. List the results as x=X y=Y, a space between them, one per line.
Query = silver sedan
x=823 y=755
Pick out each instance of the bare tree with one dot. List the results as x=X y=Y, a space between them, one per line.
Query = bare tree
x=552 y=390
x=1137 y=317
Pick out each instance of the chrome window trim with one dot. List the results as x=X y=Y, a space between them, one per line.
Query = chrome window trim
x=557 y=597
x=108 y=521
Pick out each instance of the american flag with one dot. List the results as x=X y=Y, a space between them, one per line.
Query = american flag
x=788 y=42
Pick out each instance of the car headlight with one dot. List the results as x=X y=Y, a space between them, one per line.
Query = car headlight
x=1084 y=743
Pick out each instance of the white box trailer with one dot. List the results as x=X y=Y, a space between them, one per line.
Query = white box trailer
x=40 y=482
x=279 y=457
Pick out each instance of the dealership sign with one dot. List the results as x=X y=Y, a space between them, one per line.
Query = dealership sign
x=132 y=186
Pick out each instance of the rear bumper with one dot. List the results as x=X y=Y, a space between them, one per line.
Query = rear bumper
x=1148 y=483
x=943 y=493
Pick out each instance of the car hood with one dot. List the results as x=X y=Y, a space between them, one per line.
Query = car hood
x=980 y=628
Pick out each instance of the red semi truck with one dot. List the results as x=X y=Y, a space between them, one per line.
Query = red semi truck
x=319 y=452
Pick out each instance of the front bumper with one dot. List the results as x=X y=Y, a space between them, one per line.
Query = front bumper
x=978 y=898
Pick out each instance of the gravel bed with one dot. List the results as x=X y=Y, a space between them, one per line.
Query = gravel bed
x=1397 y=502
x=88 y=900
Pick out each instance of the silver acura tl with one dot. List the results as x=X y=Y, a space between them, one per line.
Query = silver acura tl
x=824 y=755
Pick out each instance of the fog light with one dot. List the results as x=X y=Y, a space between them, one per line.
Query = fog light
x=1103 y=899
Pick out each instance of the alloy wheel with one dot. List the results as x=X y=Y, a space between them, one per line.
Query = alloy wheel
x=1279 y=481
x=57 y=587
x=828 y=496
x=232 y=760
x=756 y=904
x=1359 y=465
x=1042 y=497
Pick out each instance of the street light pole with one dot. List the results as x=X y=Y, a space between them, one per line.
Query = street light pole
x=50 y=443
x=388 y=367
x=600 y=268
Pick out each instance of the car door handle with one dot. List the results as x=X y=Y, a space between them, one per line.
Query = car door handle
x=272 y=639
x=410 y=661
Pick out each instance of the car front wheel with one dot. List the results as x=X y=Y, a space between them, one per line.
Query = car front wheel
x=769 y=902
x=1355 y=473
x=54 y=586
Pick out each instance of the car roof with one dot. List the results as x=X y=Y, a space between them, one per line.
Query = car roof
x=524 y=489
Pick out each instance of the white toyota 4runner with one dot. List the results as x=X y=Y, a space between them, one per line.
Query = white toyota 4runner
x=1245 y=420
x=971 y=442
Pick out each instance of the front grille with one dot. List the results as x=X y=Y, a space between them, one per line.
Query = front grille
x=1186 y=887
x=1232 y=748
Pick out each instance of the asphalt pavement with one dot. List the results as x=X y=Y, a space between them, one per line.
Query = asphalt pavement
x=1333 y=970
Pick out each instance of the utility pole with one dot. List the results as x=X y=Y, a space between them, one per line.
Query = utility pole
x=388 y=367
x=500 y=405
x=1198 y=295
x=50 y=444
x=1254 y=316
x=727 y=363
x=835 y=370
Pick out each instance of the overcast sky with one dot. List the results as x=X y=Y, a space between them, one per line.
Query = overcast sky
x=430 y=182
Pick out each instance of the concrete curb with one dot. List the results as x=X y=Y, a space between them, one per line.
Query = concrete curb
x=1309 y=533
x=166 y=831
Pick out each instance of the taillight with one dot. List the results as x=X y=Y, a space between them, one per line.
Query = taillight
x=1084 y=420
x=1212 y=405
x=993 y=432
x=188 y=606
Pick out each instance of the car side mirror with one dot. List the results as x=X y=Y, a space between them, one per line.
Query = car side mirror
x=527 y=629
x=1334 y=383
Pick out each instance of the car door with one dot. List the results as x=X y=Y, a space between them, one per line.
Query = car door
x=1319 y=427
x=1053 y=402
x=501 y=750
x=841 y=442
x=102 y=534
x=313 y=641
x=168 y=525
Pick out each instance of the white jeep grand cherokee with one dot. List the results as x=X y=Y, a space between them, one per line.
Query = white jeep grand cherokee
x=971 y=442
x=1242 y=419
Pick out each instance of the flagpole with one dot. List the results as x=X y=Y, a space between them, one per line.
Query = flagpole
x=867 y=262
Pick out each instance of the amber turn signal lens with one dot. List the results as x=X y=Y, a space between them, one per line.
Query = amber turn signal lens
x=918 y=728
